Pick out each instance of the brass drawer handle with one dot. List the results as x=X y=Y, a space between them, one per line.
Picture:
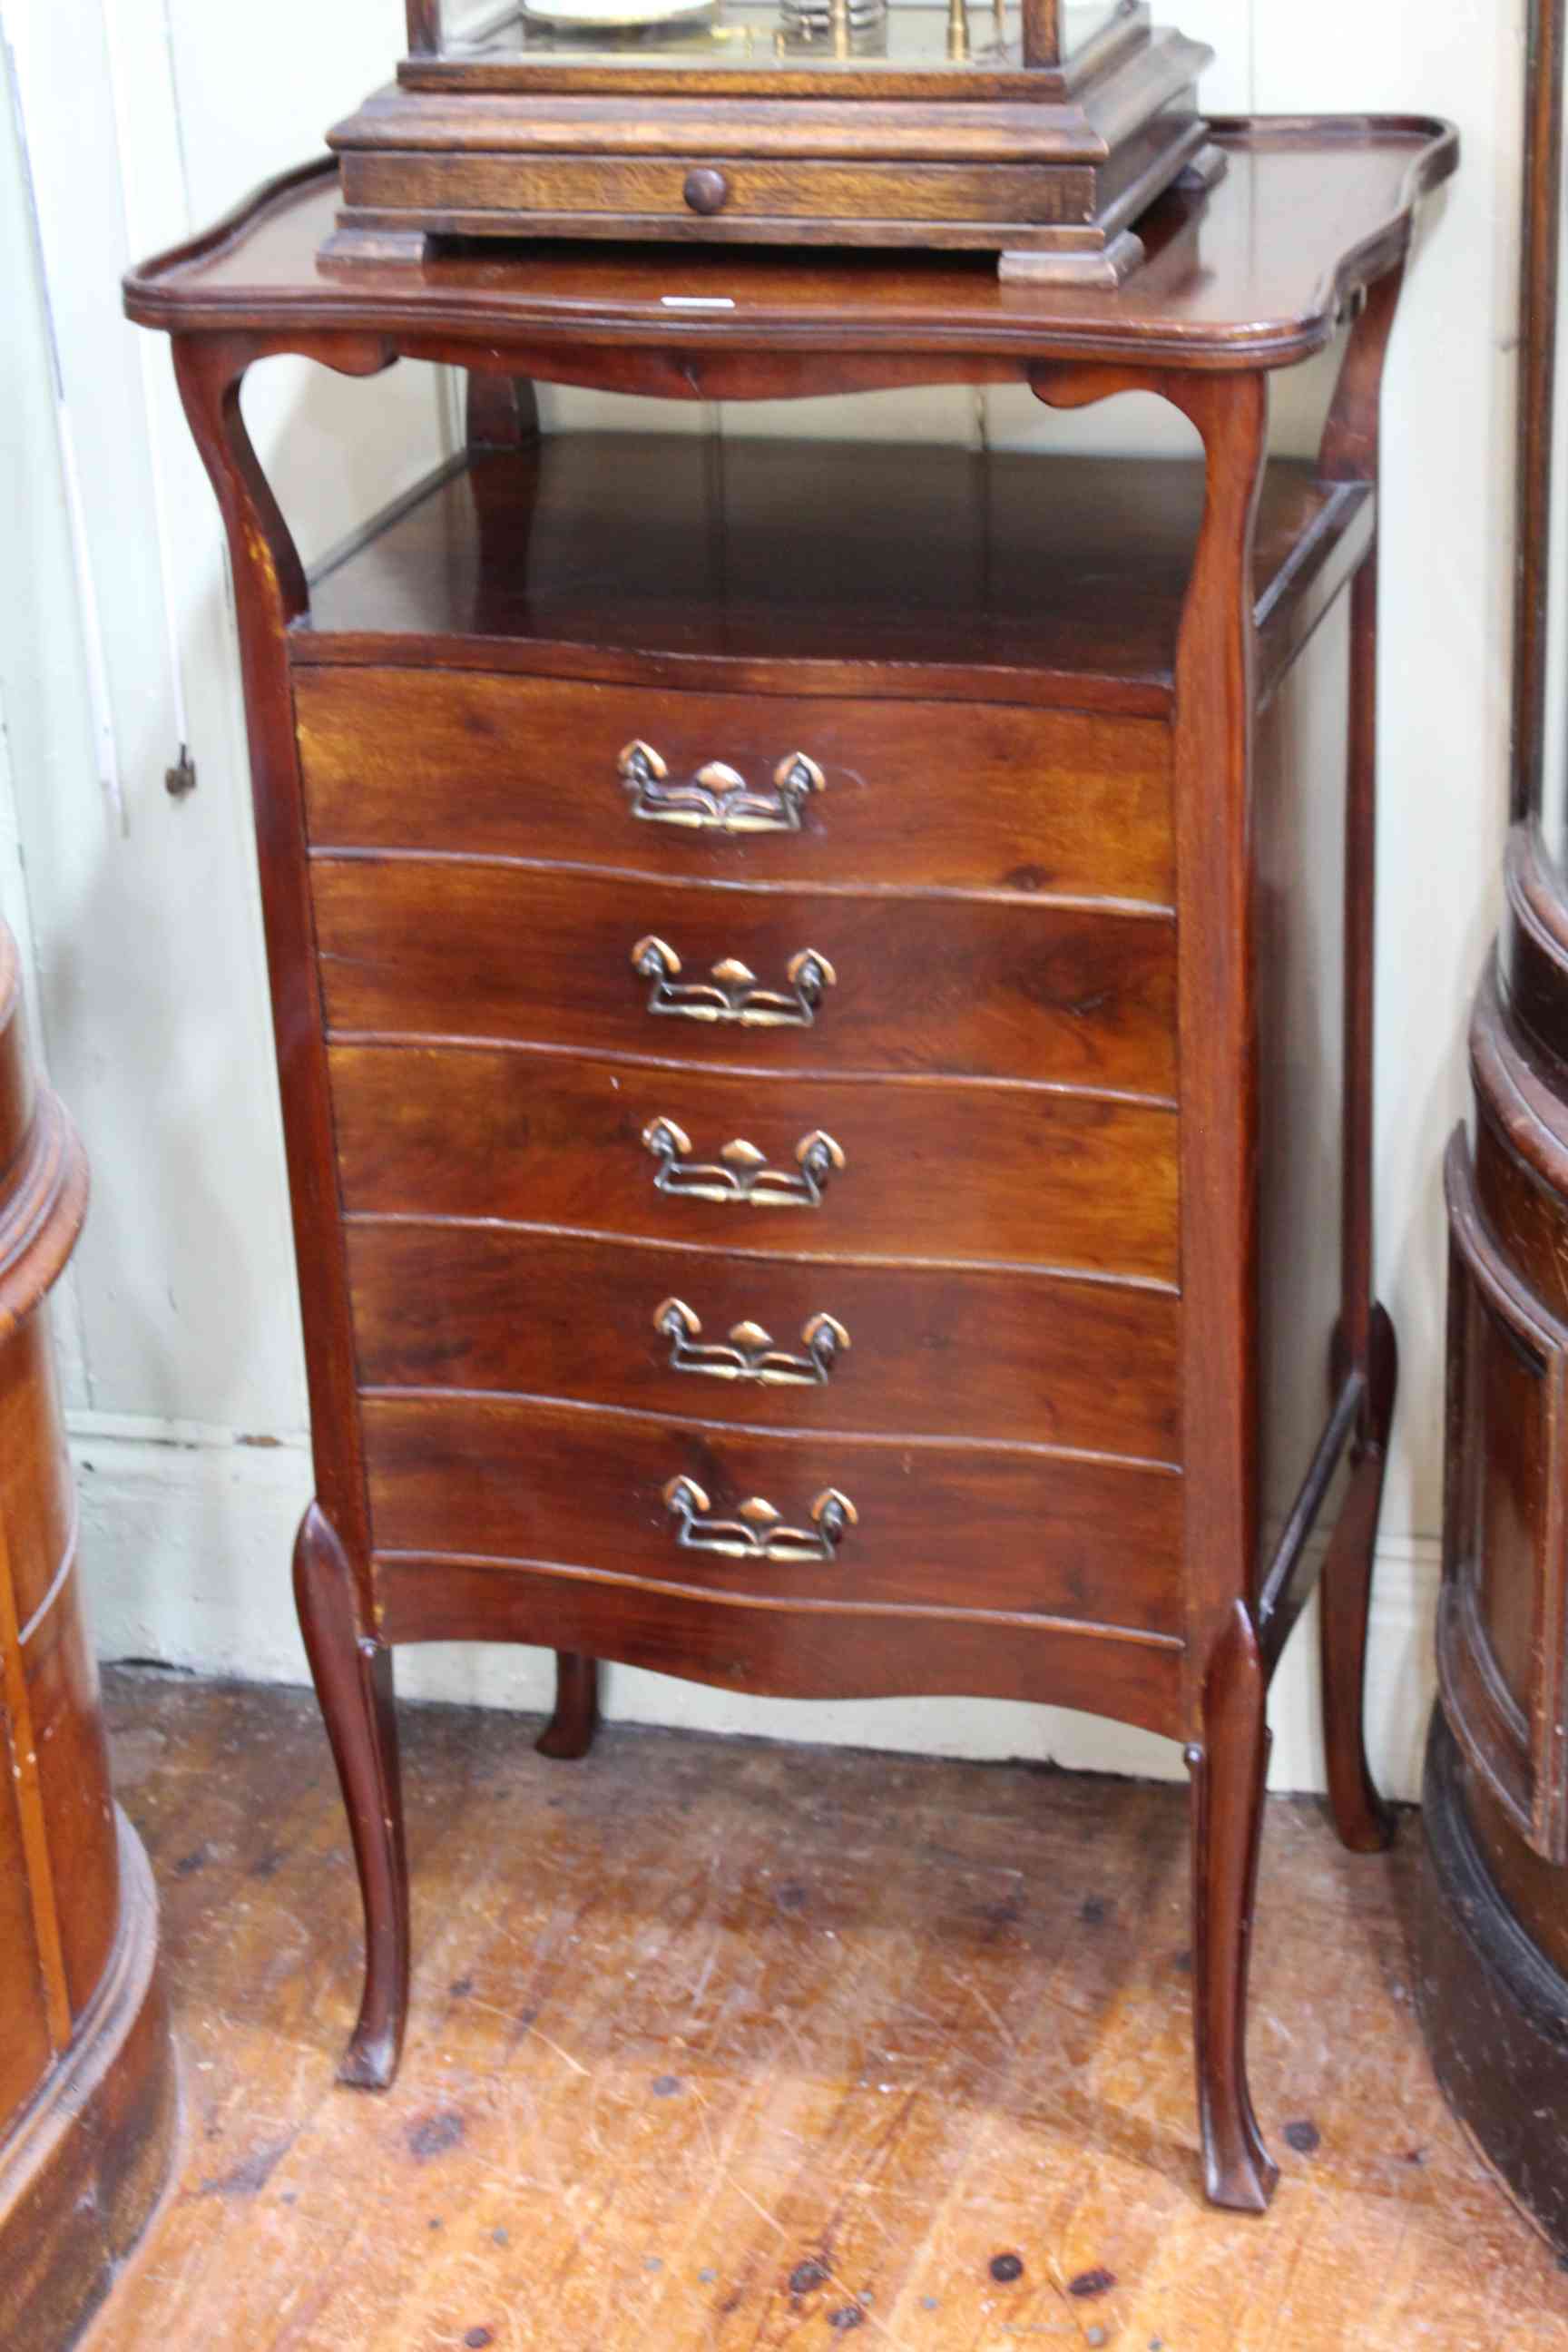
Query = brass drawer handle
x=749 y=1353
x=741 y=1173
x=731 y=992
x=717 y=798
x=757 y=1531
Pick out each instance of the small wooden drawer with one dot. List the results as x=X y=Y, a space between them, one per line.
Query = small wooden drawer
x=445 y=948
x=1020 y=1359
x=623 y=193
x=952 y=795
x=922 y=1526
x=819 y=1167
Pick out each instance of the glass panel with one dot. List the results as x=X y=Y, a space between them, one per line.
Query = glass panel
x=916 y=34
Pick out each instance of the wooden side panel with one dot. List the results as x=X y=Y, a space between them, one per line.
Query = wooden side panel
x=961 y=1173
x=1501 y=1627
x=25 y=2047
x=1300 y=840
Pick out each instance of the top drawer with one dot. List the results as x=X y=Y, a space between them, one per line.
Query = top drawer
x=945 y=796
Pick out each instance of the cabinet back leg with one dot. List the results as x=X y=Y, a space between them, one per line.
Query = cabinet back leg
x=353 y=1674
x=1364 y=1822
x=570 y=1730
x=1229 y=1773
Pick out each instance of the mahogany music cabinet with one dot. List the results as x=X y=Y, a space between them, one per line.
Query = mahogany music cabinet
x=792 y=996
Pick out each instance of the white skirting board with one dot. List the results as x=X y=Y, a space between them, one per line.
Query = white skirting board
x=186 y=1543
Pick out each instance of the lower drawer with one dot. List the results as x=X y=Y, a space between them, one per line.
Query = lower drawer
x=949 y=1172
x=946 y=1527
x=1029 y=1359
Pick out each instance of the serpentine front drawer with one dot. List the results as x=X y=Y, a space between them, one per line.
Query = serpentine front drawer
x=748 y=1512
x=838 y=790
x=824 y=1167
x=769 y=979
x=1027 y=1358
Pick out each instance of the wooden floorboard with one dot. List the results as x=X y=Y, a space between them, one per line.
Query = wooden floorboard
x=725 y=2047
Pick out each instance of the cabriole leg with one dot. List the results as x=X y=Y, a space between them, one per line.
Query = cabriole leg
x=1228 y=1771
x=353 y=1674
x=570 y=1730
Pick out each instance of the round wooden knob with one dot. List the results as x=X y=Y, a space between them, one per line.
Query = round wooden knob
x=706 y=191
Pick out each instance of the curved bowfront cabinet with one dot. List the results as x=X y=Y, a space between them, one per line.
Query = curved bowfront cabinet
x=1494 y=1979
x=87 y=2087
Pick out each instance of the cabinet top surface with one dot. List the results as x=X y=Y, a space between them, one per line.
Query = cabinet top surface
x=1252 y=274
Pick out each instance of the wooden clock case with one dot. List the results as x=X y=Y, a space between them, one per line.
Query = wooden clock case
x=1015 y=142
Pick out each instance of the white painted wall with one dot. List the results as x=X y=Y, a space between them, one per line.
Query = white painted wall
x=136 y=121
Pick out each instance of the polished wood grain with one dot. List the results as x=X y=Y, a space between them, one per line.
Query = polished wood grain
x=947 y=1173
x=1229 y=1769
x=712 y=2040
x=444 y=948
x=779 y=1649
x=998 y=799
x=1337 y=193
x=87 y=2088
x=1087 y=1366
x=1132 y=622
x=941 y=1526
x=353 y=1676
x=1065 y=573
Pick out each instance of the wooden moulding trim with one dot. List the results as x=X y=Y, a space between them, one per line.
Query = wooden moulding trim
x=1520 y=1088
x=944 y=1082
x=1146 y=698
x=41 y=1214
x=624 y=127
x=901 y=1441
x=881 y=894
x=1534 y=944
x=86 y=2163
x=712 y=1252
x=154 y=297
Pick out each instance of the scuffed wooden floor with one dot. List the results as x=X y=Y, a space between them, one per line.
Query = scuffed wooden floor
x=718 y=2047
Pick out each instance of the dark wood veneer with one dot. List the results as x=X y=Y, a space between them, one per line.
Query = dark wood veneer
x=86 y=2084
x=1089 y=1366
x=1039 y=805
x=942 y=1171
x=945 y=1526
x=928 y=987
x=1031 y=690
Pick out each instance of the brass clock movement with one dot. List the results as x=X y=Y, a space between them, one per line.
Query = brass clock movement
x=1040 y=131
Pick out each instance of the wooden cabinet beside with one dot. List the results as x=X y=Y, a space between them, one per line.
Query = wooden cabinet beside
x=87 y=2083
x=785 y=978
